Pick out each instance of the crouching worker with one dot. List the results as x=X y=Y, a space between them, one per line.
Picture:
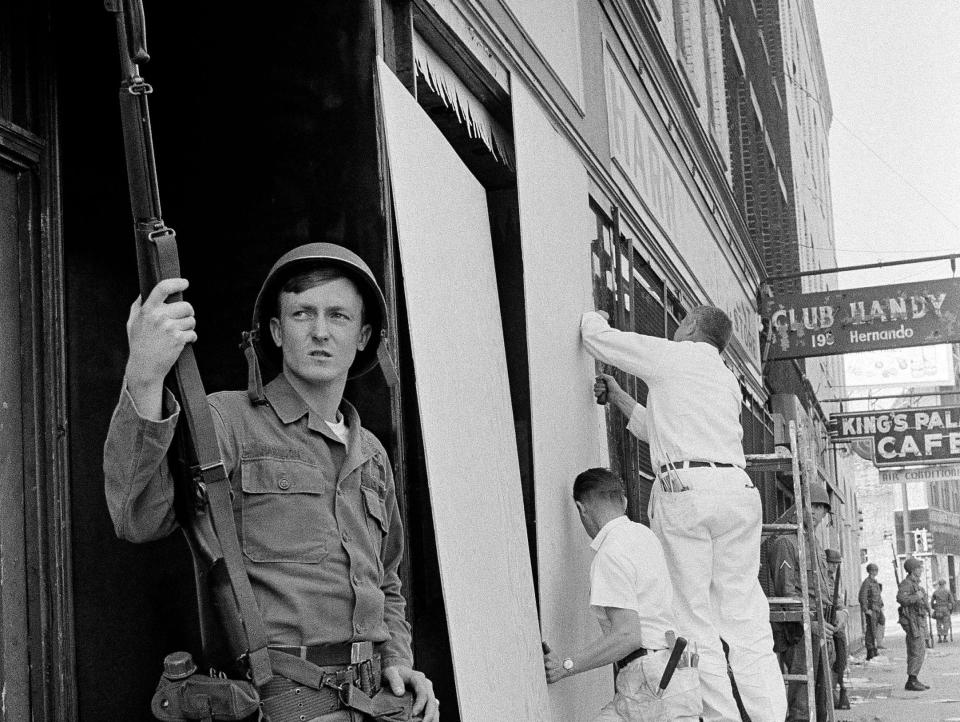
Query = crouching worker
x=312 y=490
x=630 y=592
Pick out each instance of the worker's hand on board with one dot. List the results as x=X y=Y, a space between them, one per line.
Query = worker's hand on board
x=553 y=665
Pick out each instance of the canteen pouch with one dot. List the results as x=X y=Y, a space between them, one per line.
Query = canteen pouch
x=201 y=697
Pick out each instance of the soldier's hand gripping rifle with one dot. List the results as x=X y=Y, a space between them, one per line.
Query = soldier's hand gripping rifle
x=202 y=497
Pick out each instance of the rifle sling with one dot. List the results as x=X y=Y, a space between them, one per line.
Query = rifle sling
x=213 y=477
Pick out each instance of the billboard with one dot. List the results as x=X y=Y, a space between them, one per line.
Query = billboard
x=902 y=437
x=904 y=367
x=863 y=319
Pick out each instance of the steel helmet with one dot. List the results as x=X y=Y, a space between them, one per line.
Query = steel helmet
x=819 y=495
x=911 y=564
x=303 y=258
x=833 y=556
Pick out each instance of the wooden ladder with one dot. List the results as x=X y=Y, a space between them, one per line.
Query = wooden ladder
x=798 y=609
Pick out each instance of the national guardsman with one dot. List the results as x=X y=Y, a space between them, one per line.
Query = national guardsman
x=312 y=490
x=914 y=610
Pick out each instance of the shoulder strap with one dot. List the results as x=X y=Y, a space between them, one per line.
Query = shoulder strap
x=213 y=488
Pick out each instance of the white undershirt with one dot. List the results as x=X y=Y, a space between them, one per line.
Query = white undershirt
x=339 y=427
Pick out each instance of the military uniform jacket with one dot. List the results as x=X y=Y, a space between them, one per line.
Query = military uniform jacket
x=914 y=607
x=943 y=602
x=869 y=596
x=783 y=561
x=317 y=518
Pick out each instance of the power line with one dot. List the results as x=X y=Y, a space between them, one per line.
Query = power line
x=789 y=76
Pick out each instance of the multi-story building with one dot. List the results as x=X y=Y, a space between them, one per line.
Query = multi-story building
x=780 y=113
x=503 y=165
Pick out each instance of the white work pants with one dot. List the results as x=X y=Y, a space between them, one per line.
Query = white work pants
x=711 y=538
x=636 y=699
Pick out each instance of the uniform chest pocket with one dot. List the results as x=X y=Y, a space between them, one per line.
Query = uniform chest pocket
x=284 y=505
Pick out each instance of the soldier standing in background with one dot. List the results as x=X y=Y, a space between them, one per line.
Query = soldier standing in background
x=871 y=604
x=783 y=560
x=943 y=603
x=914 y=609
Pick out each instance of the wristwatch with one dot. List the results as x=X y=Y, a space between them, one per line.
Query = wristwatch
x=568 y=664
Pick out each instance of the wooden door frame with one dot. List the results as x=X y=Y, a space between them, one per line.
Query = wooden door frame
x=35 y=154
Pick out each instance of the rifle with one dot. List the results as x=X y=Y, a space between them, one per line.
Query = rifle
x=202 y=489
x=842 y=701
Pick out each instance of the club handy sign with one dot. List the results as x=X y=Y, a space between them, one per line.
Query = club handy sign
x=902 y=437
x=863 y=319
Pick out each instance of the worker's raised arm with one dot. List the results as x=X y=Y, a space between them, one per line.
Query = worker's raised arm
x=640 y=355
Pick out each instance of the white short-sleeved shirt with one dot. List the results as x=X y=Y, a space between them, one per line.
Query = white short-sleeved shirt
x=629 y=571
x=693 y=404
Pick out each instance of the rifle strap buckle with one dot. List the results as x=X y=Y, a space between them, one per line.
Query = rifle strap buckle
x=136 y=86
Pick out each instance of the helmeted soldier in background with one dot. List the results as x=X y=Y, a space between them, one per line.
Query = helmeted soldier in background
x=313 y=491
x=943 y=603
x=783 y=561
x=914 y=608
x=871 y=604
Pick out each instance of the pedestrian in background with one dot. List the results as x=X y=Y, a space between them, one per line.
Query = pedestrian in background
x=871 y=604
x=914 y=609
x=943 y=603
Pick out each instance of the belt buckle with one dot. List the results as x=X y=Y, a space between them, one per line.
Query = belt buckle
x=361 y=652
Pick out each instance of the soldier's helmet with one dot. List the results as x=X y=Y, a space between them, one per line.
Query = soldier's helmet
x=911 y=564
x=304 y=258
x=871 y=567
x=819 y=495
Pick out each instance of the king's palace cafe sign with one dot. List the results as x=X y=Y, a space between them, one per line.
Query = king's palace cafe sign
x=904 y=437
x=863 y=319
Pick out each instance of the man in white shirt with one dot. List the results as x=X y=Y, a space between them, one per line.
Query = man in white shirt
x=704 y=508
x=631 y=595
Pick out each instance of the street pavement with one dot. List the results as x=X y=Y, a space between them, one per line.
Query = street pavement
x=876 y=688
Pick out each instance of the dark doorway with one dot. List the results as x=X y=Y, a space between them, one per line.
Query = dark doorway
x=266 y=138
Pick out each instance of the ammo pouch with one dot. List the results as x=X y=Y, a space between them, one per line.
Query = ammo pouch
x=201 y=697
x=903 y=620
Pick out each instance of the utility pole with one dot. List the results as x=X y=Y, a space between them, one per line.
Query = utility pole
x=907 y=534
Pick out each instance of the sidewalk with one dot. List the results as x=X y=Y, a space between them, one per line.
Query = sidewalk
x=876 y=688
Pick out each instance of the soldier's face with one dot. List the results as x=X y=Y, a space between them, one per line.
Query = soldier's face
x=818 y=511
x=320 y=331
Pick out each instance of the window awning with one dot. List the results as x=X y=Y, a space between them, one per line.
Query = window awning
x=469 y=110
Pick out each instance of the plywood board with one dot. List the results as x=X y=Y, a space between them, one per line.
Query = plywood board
x=554 y=28
x=468 y=433
x=568 y=427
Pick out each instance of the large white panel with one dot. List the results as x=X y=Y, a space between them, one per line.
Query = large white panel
x=568 y=428
x=466 y=417
x=554 y=27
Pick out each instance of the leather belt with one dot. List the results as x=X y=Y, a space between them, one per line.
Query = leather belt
x=696 y=465
x=635 y=654
x=329 y=655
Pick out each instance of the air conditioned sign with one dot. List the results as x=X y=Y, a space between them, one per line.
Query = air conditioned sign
x=863 y=319
x=903 y=437
x=907 y=475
